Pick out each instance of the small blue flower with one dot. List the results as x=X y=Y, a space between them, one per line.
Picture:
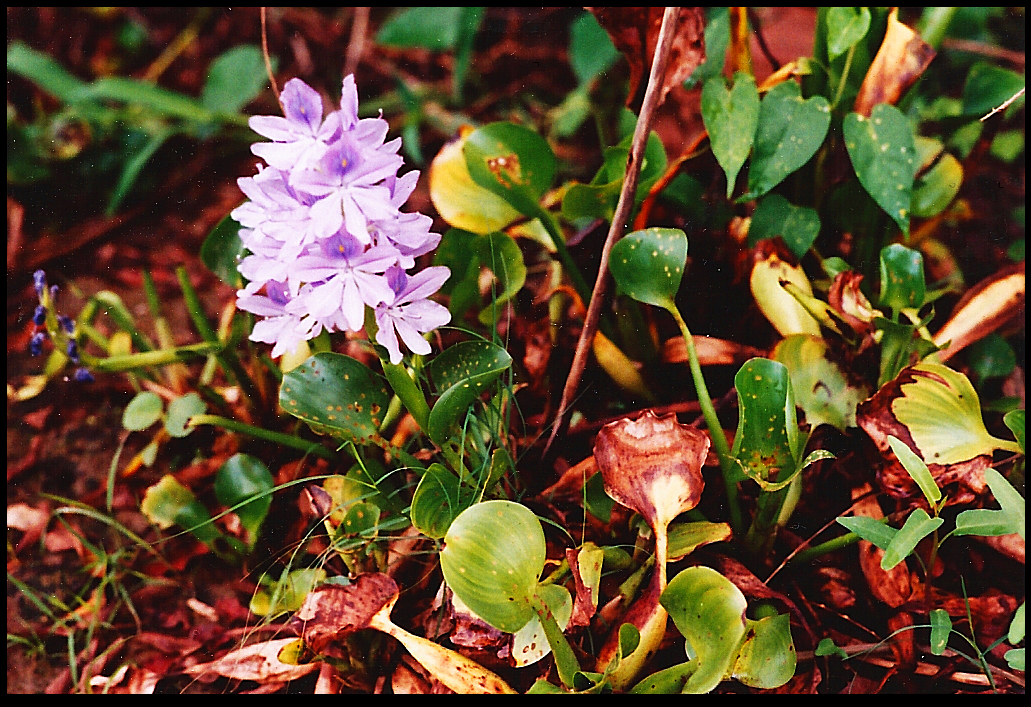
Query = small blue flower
x=83 y=376
x=39 y=279
x=36 y=343
x=39 y=317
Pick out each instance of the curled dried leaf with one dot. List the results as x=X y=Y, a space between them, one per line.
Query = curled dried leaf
x=899 y=62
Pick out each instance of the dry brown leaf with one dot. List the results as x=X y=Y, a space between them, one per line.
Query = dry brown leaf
x=899 y=62
x=990 y=304
x=584 y=606
x=894 y=587
x=635 y=31
x=29 y=520
x=259 y=662
x=711 y=351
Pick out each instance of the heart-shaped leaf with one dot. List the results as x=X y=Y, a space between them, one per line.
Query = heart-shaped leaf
x=883 y=153
x=709 y=611
x=776 y=216
x=902 y=278
x=845 y=27
x=336 y=395
x=245 y=479
x=459 y=200
x=460 y=373
x=493 y=554
x=648 y=265
x=791 y=130
x=731 y=117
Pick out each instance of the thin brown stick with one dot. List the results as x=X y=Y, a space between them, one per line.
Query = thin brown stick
x=355 y=47
x=619 y=220
x=268 y=62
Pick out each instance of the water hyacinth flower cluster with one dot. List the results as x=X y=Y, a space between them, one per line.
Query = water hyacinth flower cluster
x=59 y=328
x=325 y=230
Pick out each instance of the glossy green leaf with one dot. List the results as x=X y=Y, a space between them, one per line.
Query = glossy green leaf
x=766 y=443
x=180 y=410
x=941 y=410
x=648 y=265
x=731 y=117
x=820 y=387
x=941 y=627
x=902 y=278
x=438 y=500
x=846 y=26
x=222 y=250
x=286 y=595
x=883 y=154
x=530 y=644
x=142 y=411
x=493 y=554
x=709 y=611
x=459 y=200
x=591 y=51
x=869 y=529
x=987 y=87
x=435 y=28
x=917 y=527
x=245 y=479
x=336 y=395
x=936 y=188
x=791 y=130
x=767 y=658
x=361 y=520
x=916 y=468
x=460 y=373
x=776 y=216
x=512 y=162
x=235 y=79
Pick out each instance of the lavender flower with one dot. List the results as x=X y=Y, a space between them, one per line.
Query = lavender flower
x=325 y=230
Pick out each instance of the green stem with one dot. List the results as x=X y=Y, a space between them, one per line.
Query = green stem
x=844 y=76
x=712 y=421
x=163 y=357
x=565 y=659
x=269 y=436
x=575 y=276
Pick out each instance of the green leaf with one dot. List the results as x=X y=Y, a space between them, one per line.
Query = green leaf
x=273 y=598
x=709 y=611
x=827 y=647
x=235 y=79
x=820 y=386
x=648 y=265
x=883 y=153
x=846 y=26
x=168 y=503
x=766 y=443
x=493 y=554
x=669 y=681
x=776 y=216
x=336 y=395
x=941 y=410
x=361 y=520
x=902 y=278
x=916 y=468
x=512 y=162
x=245 y=479
x=991 y=357
x=1012 y=503
x=222 y=251
x=1015 y=421
x=937 y=187
x=596 y=502
x=44 y=71
x=988 y=87
x=438 y=500
x=767 y=658
x=941 y=627
x=717 y=39
x=1015 y=659
x=460 y=373
x=1016 y=629
x=731 y=117
x=142 y=411
x=685 y=538
x=591 y=51
x=180 y=410
x=985 y=522
x=134 y=166
x=499 y=252
x=917 y=527
x=871 y=530
x=434 y=28
x=148 y=95
x=791 y=130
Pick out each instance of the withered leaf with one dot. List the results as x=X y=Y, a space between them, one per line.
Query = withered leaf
x=899 y=62
x=259 y=662
x=993 y=302
x=635 y=32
